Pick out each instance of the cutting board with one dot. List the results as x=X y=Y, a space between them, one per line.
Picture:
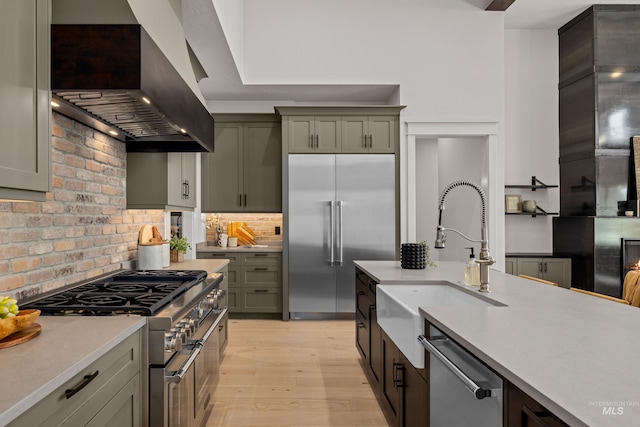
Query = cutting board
x=24 y=335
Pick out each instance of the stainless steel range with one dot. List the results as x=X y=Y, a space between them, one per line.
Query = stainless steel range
x=187 y=313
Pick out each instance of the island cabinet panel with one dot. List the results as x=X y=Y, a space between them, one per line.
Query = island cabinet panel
x=523 y=411
x=404 y=388
x=368 y=331
x=106 y=393
x=401 y=388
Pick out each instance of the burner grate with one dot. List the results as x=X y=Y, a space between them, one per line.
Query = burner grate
x=141 y=292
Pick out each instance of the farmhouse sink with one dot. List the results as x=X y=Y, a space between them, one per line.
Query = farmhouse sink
x=397 y=310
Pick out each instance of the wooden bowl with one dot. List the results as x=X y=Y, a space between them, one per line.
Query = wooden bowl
x=21 y=321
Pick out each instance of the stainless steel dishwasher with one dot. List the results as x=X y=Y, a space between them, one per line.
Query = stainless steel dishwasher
x=462 y=390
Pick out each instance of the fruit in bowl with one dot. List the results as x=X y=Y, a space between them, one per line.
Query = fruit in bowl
x=12 y=319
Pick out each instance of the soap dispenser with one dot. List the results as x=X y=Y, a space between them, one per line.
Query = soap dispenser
x=472 y=271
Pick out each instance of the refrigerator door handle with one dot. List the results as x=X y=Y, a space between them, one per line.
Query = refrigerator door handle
x=340 y=252
x=332 y=222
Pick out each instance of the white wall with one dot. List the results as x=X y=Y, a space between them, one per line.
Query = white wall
x=447 y=56
x=531 y=133
x=231 y=16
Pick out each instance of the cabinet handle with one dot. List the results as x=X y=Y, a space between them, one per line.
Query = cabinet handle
x=217 y=255
x=261 y=269
x=261 y=290
x=397 y=368
x=537 y=416
x=370 y=141
x=240 y=199
x=360 y=293
x=188 y=190
x=317 y=141
x=360 y=325
x=85 y=381
x=260 y=254
x=545 y=267
x=372 y=307
x=311 y=140
x=245 y=199
x=365 y=141
x=540 y=267
x=220 y=327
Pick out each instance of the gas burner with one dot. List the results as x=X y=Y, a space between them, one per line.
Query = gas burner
x=101 y=300
x=166 y=287
x=86 y=288
x=126 y=287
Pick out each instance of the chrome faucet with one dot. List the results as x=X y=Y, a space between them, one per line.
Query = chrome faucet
x=485 y=260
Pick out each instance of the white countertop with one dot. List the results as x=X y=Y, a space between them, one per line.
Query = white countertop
x=208 y=265
x=204 y=247
x=66 y=345
x=573 y=353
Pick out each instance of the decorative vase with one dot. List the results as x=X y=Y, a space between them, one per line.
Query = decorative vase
x=177 y=256
x=413 y=255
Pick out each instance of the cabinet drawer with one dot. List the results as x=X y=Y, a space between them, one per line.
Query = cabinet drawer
x=233 y=258
x=362 y=337
x=262 y=258
x=261 y=276
x=262 y=300
x=363 y=302
x=111 y=372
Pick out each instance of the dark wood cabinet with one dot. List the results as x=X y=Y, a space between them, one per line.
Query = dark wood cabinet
x=522 y=411
x=401 y=388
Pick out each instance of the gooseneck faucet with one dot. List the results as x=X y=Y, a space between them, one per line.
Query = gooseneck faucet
x=485 y=260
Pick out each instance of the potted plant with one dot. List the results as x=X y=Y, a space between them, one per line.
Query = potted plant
x=178 y=247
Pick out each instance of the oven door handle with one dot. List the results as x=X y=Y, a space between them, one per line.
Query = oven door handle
x=180 y=373
x=211 y=329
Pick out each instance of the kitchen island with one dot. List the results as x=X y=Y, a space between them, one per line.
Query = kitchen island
x=572 y=353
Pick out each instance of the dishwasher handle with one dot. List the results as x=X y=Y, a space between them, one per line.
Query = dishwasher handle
x=477 y=391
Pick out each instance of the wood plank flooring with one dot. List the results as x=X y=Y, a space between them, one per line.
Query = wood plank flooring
x=296 y=373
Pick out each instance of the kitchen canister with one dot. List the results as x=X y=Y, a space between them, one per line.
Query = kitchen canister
x=413 y=256
x=151 y=257
x=166 y=257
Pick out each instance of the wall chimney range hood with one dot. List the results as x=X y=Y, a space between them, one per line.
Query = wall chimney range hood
x=114 y=78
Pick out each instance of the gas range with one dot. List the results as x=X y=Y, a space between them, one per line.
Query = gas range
x=143 y=292
x=186 y=325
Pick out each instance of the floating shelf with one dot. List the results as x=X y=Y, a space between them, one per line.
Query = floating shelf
x=535 y=184
x=539 y=212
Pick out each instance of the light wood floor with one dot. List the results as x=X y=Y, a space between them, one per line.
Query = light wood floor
x=297 y=373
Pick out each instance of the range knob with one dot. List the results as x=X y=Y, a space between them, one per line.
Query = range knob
x=171 y=342
x=199 y=310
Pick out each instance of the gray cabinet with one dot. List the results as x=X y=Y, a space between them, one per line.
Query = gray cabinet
x=557 y=270
x=25 y=110
x=369 y=134
x=106 y=393
x=161 y=181
x=314 y=134
x=362 y=129
x=255 y=280
x=245 y=172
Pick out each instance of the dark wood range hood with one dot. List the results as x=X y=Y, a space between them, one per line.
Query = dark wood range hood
x=114 y=78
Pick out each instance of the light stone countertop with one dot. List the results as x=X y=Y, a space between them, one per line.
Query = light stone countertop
x=66 y=345
x=573 y=353
x=208 y=265
x=271 y=246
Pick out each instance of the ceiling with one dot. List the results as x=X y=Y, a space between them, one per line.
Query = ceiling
x=226 y=90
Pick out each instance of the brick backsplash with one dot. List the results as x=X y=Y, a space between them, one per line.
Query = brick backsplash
x=264 y=225
x=83 y=229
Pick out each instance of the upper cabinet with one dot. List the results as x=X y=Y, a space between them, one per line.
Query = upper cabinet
x=25 y=111
x=161 y=181
x=314 y=134
x=369 y=134
x=363 y=129
x=245 y=172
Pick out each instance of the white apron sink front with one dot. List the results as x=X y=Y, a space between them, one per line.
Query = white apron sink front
x=398 y=315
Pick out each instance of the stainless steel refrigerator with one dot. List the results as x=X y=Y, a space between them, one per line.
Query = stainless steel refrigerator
x=341 y=208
